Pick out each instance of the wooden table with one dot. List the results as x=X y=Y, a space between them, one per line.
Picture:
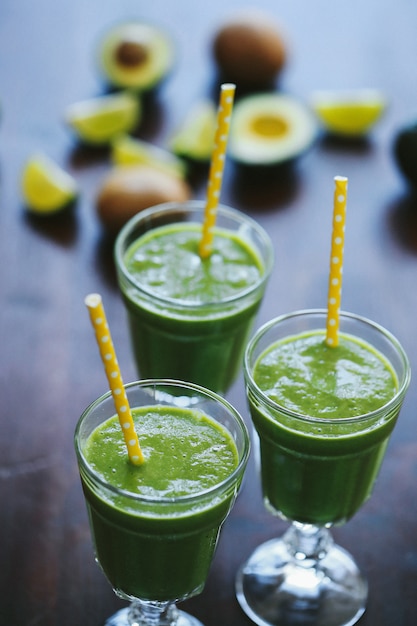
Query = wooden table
x=49 y=364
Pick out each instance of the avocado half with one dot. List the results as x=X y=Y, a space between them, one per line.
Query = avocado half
x=270 y=129
x=135 y=55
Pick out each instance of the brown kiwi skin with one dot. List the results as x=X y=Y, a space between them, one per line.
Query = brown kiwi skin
x=250 y=50
x=128 y=190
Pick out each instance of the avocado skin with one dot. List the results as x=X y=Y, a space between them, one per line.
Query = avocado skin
x=405 y=152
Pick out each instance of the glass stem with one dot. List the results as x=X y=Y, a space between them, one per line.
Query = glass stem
x=307 y=544
x=143 y=613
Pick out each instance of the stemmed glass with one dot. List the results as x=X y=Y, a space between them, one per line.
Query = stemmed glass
x=156 y=551
x=316 y=472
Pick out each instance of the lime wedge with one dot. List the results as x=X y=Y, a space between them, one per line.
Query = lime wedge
x=46 y=187
x=129 y=151
x=99 y=120
x=350 y=113
x=194 y=139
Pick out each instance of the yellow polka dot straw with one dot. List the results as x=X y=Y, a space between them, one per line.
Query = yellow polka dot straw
x=98 y=319
x=336 y=261
x=224 y=113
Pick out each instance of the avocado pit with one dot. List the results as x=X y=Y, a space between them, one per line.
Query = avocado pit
x=269 y=126
x=131 y=54
x=270 y=129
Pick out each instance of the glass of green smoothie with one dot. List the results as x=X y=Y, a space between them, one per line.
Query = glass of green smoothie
x=155 y=526
x=190 y=318
x=322 y=416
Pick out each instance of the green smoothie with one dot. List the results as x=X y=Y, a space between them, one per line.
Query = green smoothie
x=321 y=470
x=190 y=318
x=157 y=541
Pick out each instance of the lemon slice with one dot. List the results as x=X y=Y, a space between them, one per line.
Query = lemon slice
x=350 y=113
x=129 y=151
x=46 y=187
x=194 y=139
x=99 y=120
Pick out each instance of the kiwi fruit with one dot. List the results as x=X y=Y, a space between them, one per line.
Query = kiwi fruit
x=126 y=190
x=249 y=49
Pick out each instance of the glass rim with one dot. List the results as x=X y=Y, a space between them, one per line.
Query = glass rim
x=166 y=500
x=275 y=406
x=196 y=205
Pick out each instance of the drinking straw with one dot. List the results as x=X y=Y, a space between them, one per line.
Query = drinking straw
x=105 y=344
x=336 y=260
x=224 y=113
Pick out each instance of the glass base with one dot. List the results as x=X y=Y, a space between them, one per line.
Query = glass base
x=177 y=618
x=280 y=586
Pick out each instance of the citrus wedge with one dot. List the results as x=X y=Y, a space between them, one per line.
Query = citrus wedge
x=194 y=139
x=351 y=113
x=99 y=120
x=129 y=151
x=46 y=187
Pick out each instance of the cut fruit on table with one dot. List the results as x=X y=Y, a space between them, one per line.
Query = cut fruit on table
x=136 y=56
x=194 y=139
x=127 y=150
x=349 y=113
x=99 y=120
x=270 y=129
x=46 y=187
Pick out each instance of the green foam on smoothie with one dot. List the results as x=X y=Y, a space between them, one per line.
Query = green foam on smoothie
x=167 y=262
x=185 y=452
x=305 y=375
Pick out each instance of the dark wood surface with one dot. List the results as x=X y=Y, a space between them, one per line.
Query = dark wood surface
x=49 y=364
